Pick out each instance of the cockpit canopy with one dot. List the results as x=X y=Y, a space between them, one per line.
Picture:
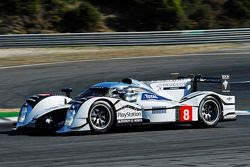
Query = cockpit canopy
x=129 y=89
x=111 y=89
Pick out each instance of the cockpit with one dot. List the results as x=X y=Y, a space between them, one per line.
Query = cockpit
x=93 y=92
x=127 y=93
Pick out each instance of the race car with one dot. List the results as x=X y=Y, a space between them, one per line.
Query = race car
x=106 y=105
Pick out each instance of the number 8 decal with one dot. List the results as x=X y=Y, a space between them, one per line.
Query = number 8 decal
x=185 y=113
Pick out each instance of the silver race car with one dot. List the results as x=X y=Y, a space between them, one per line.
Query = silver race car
x=109 y=104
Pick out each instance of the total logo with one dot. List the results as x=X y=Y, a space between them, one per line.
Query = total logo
x=150 y=96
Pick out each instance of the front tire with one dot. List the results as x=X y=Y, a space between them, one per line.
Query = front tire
x=209 y=112
x=101 y=117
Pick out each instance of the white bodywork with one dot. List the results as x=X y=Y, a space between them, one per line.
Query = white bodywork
x=45 y=106
x=161 y=102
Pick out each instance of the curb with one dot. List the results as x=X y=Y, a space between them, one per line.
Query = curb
x=8 y=120
x=8 y=117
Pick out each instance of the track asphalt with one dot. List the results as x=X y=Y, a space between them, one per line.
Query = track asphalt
x=226 y=145
x=18 y=84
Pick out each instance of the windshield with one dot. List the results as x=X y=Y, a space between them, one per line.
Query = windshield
x=93 y=92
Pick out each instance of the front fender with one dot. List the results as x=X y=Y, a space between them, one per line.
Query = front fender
x=195 y=98
x=82 y=113
x=43 y=107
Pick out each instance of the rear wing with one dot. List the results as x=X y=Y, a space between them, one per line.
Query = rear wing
x=223 y=80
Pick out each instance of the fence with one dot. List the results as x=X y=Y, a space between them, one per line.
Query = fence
x=127 y=38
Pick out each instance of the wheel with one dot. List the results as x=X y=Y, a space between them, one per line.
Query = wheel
x=101 y=117
x=209 y=112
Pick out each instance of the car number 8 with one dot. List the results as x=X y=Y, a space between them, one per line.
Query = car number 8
x=185 y=113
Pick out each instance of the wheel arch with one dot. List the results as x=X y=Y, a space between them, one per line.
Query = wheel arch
x=113 y=119
x=57 y=116
x=110 y=103
x=218 y=99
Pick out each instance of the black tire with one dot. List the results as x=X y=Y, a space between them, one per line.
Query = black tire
x=209 y=112
x=101 y=117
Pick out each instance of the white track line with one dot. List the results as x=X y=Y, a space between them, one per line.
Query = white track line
x=238 y=112
x=240 y=82
x=8 y=120
x=126 y=58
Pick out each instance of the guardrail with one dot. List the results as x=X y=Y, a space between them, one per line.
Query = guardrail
x=127 y=38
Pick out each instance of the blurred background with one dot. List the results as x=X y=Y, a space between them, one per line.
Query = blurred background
x=52 y=16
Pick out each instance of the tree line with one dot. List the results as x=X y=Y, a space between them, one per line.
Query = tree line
x=49 y=16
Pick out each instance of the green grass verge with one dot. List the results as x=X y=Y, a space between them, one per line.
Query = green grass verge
x=8 y=114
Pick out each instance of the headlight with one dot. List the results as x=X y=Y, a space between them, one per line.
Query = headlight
x=23 y=113
x=70 y=114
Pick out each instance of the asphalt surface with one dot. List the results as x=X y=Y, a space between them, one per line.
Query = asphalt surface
x=226 y=145
x=17 y=84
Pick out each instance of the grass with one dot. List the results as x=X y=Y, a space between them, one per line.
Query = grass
x=8 y=114
x=25 y=56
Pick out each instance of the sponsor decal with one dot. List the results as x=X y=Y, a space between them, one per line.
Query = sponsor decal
x=225 y=83
x=174 y=84
x=129 y=114
x=170 y=85
x=173 y=88
x=129 y=120
x=128 y=107
x=151 y=96
x=229 y=98
x=159 y=88
x=159 y=110
x=186 y=113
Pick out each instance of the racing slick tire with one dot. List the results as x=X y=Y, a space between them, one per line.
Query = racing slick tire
x=101 y=117
x=209 y=113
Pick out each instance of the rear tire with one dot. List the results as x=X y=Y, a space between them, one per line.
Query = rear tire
x=209 y=112
x=101 y=117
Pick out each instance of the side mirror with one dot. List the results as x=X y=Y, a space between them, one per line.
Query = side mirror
x=67 y=91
